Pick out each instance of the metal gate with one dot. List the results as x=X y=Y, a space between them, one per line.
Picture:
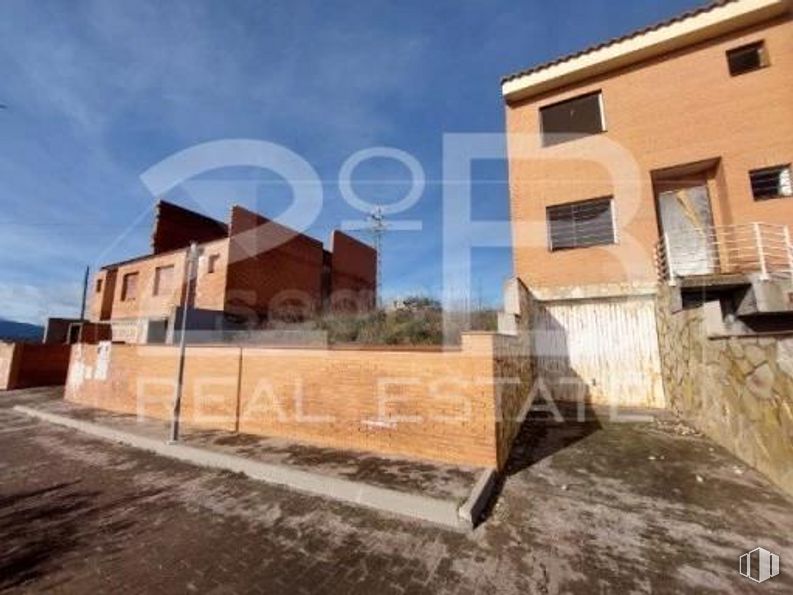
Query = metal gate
x=603 y=350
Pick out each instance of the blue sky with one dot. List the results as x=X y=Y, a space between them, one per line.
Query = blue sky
x=97 y=92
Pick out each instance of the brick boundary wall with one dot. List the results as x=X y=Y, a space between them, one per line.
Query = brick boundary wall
x=25 y=365
x=442 y=406
x=7 y=365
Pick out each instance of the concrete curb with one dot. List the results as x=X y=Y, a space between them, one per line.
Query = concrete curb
x=440 y=512
x=477 y=501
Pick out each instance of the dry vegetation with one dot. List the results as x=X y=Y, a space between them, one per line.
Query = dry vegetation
x=417 y=321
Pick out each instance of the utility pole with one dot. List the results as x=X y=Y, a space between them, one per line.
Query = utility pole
x=190 y=268
x=378 y=226
x=85 y=294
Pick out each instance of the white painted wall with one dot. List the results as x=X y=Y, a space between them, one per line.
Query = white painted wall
x=607 y=348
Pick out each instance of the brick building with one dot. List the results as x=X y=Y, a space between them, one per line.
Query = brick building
x=663 y=154
x=249 y=270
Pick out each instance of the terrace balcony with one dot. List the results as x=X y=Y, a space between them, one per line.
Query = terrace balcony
x=754 y=260
x=751 y=248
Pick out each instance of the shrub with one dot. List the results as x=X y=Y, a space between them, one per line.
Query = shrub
x=417 y=320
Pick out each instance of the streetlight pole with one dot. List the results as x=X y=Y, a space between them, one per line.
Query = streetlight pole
x=85 y=294
x=190 y=266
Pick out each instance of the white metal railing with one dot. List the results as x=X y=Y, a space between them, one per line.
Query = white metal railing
x=762 y=248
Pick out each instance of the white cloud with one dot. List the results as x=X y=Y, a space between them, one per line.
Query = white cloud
x=99 y=91
x=35 y=303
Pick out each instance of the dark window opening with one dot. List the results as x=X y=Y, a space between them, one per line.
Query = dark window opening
x=771 y=182
x=746 y=58
x=129 y=287
x=581 y=224
x=571 y=119
x=212 y=263
x=99 y=286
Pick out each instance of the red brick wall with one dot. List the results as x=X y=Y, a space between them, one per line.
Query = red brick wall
x=678 y=109
x=448 y=400
x=176 y=227
x=260 y=267
x=140 y=379
x=270 y=264
x=24 y=365
x=353 y=275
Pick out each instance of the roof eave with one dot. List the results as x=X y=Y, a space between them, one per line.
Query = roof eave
x=707 y=25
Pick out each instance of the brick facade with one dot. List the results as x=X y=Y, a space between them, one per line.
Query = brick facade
x=681 y=108
x=271 y=266
x=259 y=267
x=353 y=273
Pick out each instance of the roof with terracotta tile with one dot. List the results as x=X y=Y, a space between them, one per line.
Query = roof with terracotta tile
x=660 y=25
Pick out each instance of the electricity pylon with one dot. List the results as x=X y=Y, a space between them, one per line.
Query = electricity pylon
x=378 y=227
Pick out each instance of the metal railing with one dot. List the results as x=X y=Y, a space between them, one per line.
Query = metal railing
x=762 y=248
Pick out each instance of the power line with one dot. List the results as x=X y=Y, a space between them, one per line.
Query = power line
x=103 y=225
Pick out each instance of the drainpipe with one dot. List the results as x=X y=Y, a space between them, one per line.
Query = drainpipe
x=191 y=261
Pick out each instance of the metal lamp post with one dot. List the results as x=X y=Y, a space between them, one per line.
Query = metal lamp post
x=190 y=273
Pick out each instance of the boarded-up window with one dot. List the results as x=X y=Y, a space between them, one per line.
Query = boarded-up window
x=771 y=182
x=581 y=224
x=129 y=286
x=571 y=119
x=163 y=280
x=746 y=58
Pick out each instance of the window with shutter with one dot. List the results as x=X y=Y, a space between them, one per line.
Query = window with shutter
x=581 y=224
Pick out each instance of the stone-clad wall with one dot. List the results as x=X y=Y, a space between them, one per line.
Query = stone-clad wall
x=738 y=390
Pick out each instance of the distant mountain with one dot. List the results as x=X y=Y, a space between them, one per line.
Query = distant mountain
x=20 y=331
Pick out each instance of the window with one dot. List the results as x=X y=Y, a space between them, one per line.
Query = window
x=571 y=119
x=129 y=287
x=746 y=58
x=771 y=182
x=99 y=286
x=212 y=263
x=581 y=224
x=163 y=280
